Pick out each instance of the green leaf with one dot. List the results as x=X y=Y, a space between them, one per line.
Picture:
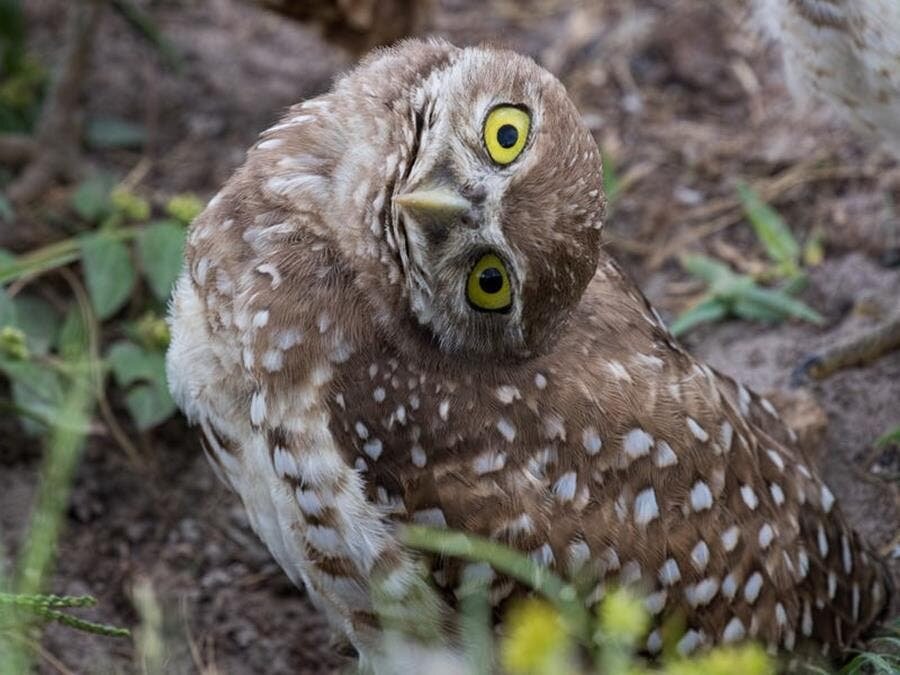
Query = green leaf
x=706 y=268
x=36 y=389
x=108 y=273
x=160 y=247
x=7 y=310
x=91 y=200
x=39 y=320
x=73 y=336
x=611 y=182
x=111 y=132
x=149 y=405
x=7 y=213
x=131 y=363
x=893 y=436
x=783 y=304
x=751 y=310
x=143 y=374
x=709 y=310
x=771 y=230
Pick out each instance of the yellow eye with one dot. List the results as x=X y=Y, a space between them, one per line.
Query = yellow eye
x=488 y=286
x=505 y=133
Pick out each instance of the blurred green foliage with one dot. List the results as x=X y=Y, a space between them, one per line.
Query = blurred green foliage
x=731 y=294
x=119 y=248
x=57 y=394
x=552 y=633
x=22 y=79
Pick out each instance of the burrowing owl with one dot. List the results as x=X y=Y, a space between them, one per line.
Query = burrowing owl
x=399 y=310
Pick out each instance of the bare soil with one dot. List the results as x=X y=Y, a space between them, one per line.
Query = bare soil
x=685 y=100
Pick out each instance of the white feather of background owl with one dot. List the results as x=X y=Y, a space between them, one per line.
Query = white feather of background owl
x=846 y=52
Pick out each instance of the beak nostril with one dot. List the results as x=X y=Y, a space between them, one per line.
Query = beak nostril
x=466 y=220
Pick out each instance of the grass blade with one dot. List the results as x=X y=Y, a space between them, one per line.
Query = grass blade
x=776 y=237
x=709 y=310
x=505 y=561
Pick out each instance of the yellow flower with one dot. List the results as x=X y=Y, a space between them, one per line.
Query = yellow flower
x=153 y=331
x=749 y=659
x=13 y=344
x=622 y=617
x=184 y=208
x=535 y=641
x=130 y=205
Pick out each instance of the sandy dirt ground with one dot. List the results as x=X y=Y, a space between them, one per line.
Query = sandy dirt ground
x=684 y=99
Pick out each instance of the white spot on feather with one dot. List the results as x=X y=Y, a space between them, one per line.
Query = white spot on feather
x=701 y=497
x=749 y=497
x=373 y=448
x=669 y=573
x=698 y=431
x=665 y=456
x=730 y=538
x=488 y=462
x=734 y=631
x=506 y=429
x=257 y=408
x=506 y=394
x=827 y=498
x=590 y=439
x=753 y=587
x=637 y=443
x=564 y=488
x=646 y=508
x=702 y=592
x=700 y=556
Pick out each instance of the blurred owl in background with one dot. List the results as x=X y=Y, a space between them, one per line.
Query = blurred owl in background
x=846 y=52
x=399 y=310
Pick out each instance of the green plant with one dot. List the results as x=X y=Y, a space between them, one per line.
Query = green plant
x=118 y=247
x=891 y=437
x=612 y=184
x=22 y=79
x=552 y=633
x=731 y=294
x=66 y=419
x=882 y=657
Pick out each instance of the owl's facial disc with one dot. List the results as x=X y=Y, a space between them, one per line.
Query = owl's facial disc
x=495 y=208
x=463 y=272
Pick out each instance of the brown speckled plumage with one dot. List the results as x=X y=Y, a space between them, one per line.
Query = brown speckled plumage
x=322 y=341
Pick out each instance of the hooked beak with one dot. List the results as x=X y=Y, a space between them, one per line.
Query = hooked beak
x=436 y=202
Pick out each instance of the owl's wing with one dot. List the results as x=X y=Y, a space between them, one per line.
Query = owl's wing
x=279 y=456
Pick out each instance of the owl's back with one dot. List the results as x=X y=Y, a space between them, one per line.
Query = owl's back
x=619 y=458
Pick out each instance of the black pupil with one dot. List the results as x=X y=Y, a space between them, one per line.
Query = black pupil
x=507 y=135
x=491 y=280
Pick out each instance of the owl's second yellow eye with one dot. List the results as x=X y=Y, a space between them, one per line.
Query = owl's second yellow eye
x=505 y=133
x=488 y=287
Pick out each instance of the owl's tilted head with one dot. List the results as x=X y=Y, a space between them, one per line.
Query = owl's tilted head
x=462 y=190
